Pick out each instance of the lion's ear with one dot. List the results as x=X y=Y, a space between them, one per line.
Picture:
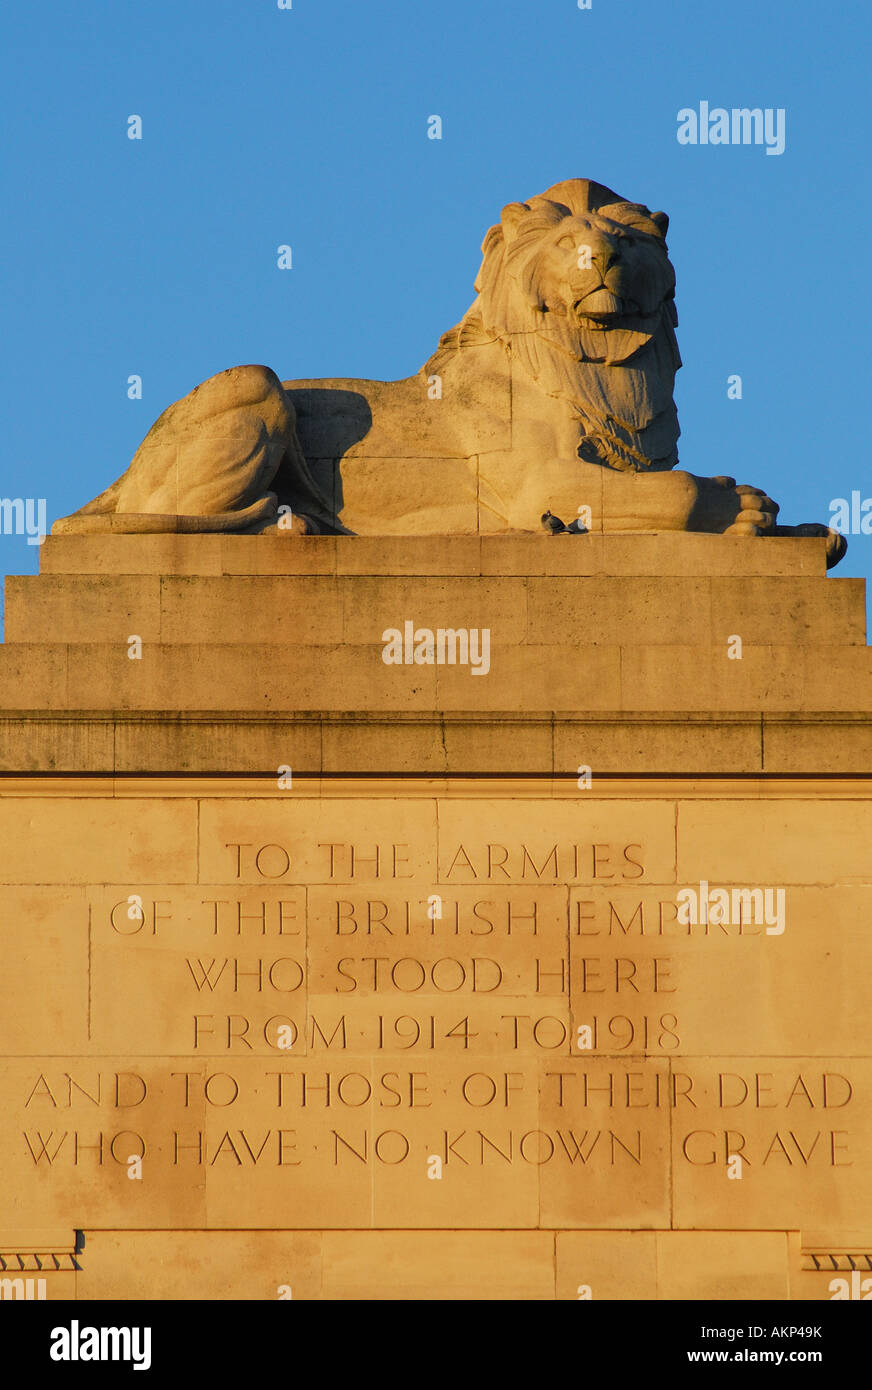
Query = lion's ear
x=511 y=216
x=661 y=219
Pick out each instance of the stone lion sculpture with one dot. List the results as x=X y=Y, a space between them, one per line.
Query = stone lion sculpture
x=551 y=402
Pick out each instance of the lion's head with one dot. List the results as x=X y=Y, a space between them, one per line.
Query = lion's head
x=578 y=285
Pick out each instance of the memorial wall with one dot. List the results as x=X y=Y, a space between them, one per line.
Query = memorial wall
x=333 y=976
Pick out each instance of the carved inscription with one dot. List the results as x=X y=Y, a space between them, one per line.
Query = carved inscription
x=358 y=1013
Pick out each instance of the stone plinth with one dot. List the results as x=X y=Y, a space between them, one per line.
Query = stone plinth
x=394 y=1000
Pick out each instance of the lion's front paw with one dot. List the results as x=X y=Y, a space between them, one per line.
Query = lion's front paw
x=731 y=508
x=836 y=543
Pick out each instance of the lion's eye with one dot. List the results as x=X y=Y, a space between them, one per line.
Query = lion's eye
x=567 y=243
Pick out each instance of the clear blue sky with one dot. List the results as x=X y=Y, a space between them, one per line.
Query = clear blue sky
x=309 y=127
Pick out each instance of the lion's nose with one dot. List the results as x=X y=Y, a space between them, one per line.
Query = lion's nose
x=606 y=257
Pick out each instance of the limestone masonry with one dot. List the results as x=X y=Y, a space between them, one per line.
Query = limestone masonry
x=332 y=978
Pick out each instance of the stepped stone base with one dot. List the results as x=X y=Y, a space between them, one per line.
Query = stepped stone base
x=418 y=1016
